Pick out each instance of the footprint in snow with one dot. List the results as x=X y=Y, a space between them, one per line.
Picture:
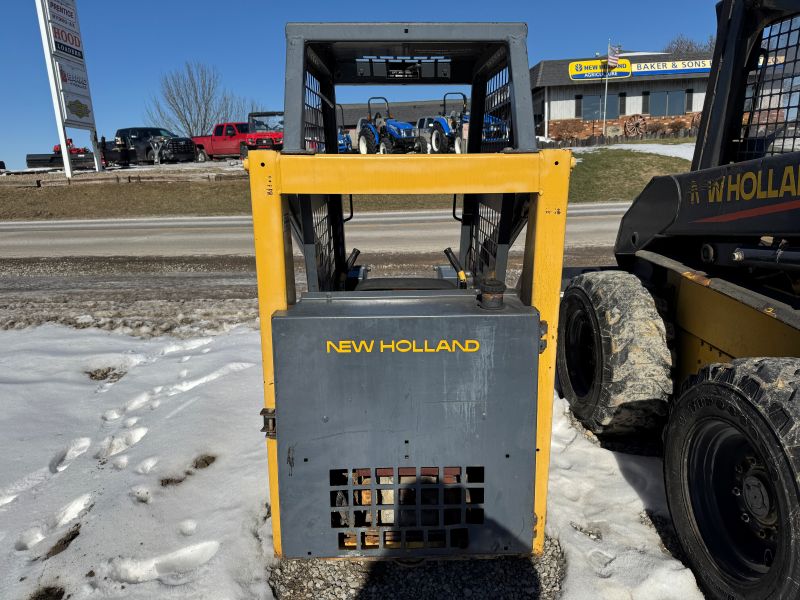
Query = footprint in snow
x=189 y=384
x=138 y=401
x=64 y=457
x=147 y=465
x=111 y=415
x=66 y=514
x=141 y=493
x=174 y=568
x=187 y=527
x=117 y=444
x=30 y=481
x=187 y=345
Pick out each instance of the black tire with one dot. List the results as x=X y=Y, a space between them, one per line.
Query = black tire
x=386 y=146
x=366 y=142
x=150 y=156
x=731 y=469
x=243 y=151
x=202 y=156
x=440 y=144
x=613 y=363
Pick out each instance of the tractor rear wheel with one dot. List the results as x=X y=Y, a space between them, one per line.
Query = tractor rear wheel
x=613 y=363
x=732 y=473
x=386 y=146
x=439 y=142
x=366 y=142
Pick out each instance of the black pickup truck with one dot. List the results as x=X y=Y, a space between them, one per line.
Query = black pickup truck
x=139 y=145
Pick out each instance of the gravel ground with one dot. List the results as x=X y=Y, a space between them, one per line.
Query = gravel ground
x=179 y=296
x=506 y=578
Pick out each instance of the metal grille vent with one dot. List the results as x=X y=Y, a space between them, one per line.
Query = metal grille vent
x=482 y=258
x=313 y=127
x=496 y=133
x=405 y=508
x=323 y=246
x=772 y=98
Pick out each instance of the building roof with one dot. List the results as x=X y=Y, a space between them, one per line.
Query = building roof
x=402 y=111
x=552 y=73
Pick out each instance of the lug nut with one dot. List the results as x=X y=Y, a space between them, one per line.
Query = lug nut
x=745 y=517
x=736 y=491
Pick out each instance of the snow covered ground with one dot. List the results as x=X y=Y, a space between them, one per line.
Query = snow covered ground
x=150 y=480
x=685 y=151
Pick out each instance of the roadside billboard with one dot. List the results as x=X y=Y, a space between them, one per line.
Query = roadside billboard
x=66 y=68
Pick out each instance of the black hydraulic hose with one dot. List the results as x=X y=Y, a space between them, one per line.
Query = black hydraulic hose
x=768 y=258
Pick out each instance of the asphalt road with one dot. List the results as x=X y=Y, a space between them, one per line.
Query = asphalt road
x=189 y=275
x=588 y=226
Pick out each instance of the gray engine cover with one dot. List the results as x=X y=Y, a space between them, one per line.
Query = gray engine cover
x=399 y=451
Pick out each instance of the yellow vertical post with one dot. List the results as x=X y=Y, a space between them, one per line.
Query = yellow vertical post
x=268 y=232
x=546 y=229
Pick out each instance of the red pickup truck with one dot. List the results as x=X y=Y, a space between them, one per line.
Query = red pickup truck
x=235 y=139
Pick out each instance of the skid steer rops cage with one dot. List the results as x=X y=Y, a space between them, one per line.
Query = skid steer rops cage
x=401 y=413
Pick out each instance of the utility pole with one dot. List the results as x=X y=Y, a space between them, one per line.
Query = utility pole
x=605 y=94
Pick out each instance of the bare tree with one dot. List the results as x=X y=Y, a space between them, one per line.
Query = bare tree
x=682 y=44
x=192 y=101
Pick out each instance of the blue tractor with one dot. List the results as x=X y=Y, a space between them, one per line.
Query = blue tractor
x=447 y=130
x=343 y=138
x=377 y=134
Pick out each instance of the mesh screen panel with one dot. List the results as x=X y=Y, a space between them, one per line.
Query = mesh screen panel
x=313 y=128
x=482 y=257
x=323 y=247
x=496 y=133
x=772 y=98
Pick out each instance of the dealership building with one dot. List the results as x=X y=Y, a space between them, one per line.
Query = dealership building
x=646 y=92
x=569 y=95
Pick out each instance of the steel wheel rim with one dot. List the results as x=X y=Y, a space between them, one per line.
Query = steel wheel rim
x=580 y=348
x=435 y=145
x=362 y=145
x=735 y=506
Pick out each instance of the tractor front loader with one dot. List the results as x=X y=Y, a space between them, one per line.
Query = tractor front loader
x=408 y=417
x=698 y=334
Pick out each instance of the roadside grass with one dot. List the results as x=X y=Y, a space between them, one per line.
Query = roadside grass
x=600 y=176
x=607 y=175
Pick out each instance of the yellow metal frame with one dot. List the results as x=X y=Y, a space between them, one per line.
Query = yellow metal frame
x=545 y=174
x=714 y=327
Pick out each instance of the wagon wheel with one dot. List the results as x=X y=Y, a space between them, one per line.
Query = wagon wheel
x=696 y=120
x=635 y=126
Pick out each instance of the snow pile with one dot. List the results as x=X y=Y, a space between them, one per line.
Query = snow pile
x=595 y=507
x=150 y=484
x=685 y=151
x=135 y=469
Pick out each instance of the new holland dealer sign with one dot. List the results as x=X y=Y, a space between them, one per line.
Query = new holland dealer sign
x=66 y=62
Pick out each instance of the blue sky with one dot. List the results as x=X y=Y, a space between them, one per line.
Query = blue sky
x=130 y=44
